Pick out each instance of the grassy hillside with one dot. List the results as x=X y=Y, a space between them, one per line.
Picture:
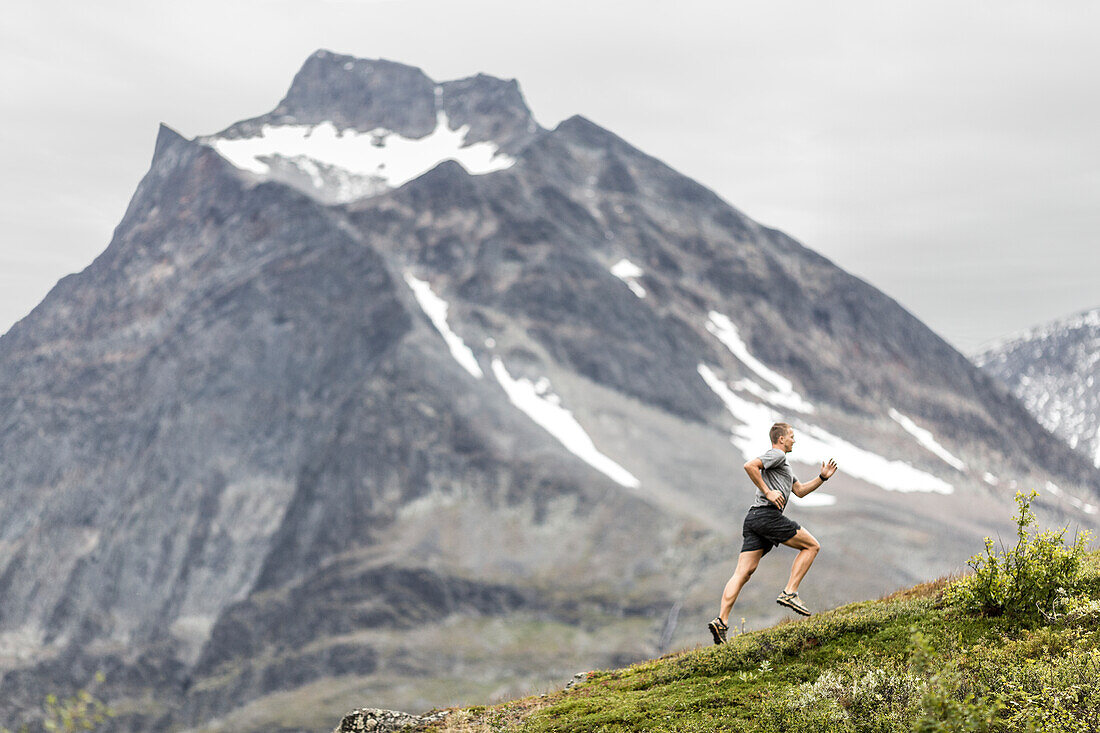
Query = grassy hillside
x=1013 y=647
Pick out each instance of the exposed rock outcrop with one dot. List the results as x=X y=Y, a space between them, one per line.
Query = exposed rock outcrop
x=374 y=720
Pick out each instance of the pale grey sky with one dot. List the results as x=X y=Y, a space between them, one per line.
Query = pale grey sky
x=947 y=152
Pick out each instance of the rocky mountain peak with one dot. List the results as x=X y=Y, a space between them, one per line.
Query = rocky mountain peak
x=493 y=108
x=367 y=95
x=361 y=94
x=352 y=128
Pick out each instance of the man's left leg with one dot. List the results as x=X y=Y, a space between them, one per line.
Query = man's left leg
x=746 y=566
x=807 y=547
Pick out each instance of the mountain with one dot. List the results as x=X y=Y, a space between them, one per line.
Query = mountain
x=1055 y=371
x=393 y=397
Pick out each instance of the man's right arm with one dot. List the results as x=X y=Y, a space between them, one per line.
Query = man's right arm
x=753 y=469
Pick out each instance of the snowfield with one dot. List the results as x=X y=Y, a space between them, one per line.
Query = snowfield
x=358 y=163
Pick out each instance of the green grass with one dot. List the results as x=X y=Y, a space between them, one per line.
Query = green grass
x=915 y=661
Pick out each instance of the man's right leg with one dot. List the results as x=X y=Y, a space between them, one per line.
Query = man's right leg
x=808 y=548
x=746 y=566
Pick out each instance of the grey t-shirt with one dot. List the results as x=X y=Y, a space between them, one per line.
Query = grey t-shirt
x=777 y=476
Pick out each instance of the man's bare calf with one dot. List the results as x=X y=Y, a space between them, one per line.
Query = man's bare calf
x=807 y=547
x=746 y=566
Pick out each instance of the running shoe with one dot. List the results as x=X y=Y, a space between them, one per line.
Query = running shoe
x=718 y=629
x=793 y=602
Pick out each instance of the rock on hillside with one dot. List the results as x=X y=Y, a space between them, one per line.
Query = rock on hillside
x=373 y=720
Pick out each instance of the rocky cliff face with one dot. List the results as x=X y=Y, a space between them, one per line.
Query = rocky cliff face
x=393 y=397
x=1055 y=371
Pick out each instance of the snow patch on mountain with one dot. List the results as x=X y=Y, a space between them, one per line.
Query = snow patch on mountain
x=783 y=395
x=1055 y=490
x=349 y=164
x=816 y=499
x=925 y=438
x=21 y=644
x=892 y=475
x=436 y=309
x=816 y=444
x=536 y=401
x=629 y=273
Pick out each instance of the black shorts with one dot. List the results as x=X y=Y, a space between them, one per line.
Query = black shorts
x=765 y=527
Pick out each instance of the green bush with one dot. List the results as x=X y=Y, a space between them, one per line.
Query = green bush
x=1024 y=581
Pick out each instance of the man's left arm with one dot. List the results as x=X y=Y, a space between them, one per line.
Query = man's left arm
x=802 y=489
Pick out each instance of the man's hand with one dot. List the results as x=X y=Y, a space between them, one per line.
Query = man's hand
x=776 y=498
x=828 y=469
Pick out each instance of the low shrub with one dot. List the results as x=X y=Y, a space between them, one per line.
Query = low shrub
x=926 y=695
x=1022 y=582
x=1049 y=681
x=851 y=699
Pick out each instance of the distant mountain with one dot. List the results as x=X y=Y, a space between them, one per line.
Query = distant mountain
x=1055 y=371
x=392 y=397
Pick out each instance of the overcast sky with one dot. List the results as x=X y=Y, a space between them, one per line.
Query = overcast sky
x=947 y=152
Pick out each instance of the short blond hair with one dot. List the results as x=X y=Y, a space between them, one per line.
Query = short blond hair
x=778 y=431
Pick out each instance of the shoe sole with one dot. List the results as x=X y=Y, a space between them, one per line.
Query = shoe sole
x=799 y=610
x=719 y=636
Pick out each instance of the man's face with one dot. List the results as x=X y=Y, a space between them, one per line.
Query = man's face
x=787 y=441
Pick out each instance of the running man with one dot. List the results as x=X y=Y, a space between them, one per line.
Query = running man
x=765 y=526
